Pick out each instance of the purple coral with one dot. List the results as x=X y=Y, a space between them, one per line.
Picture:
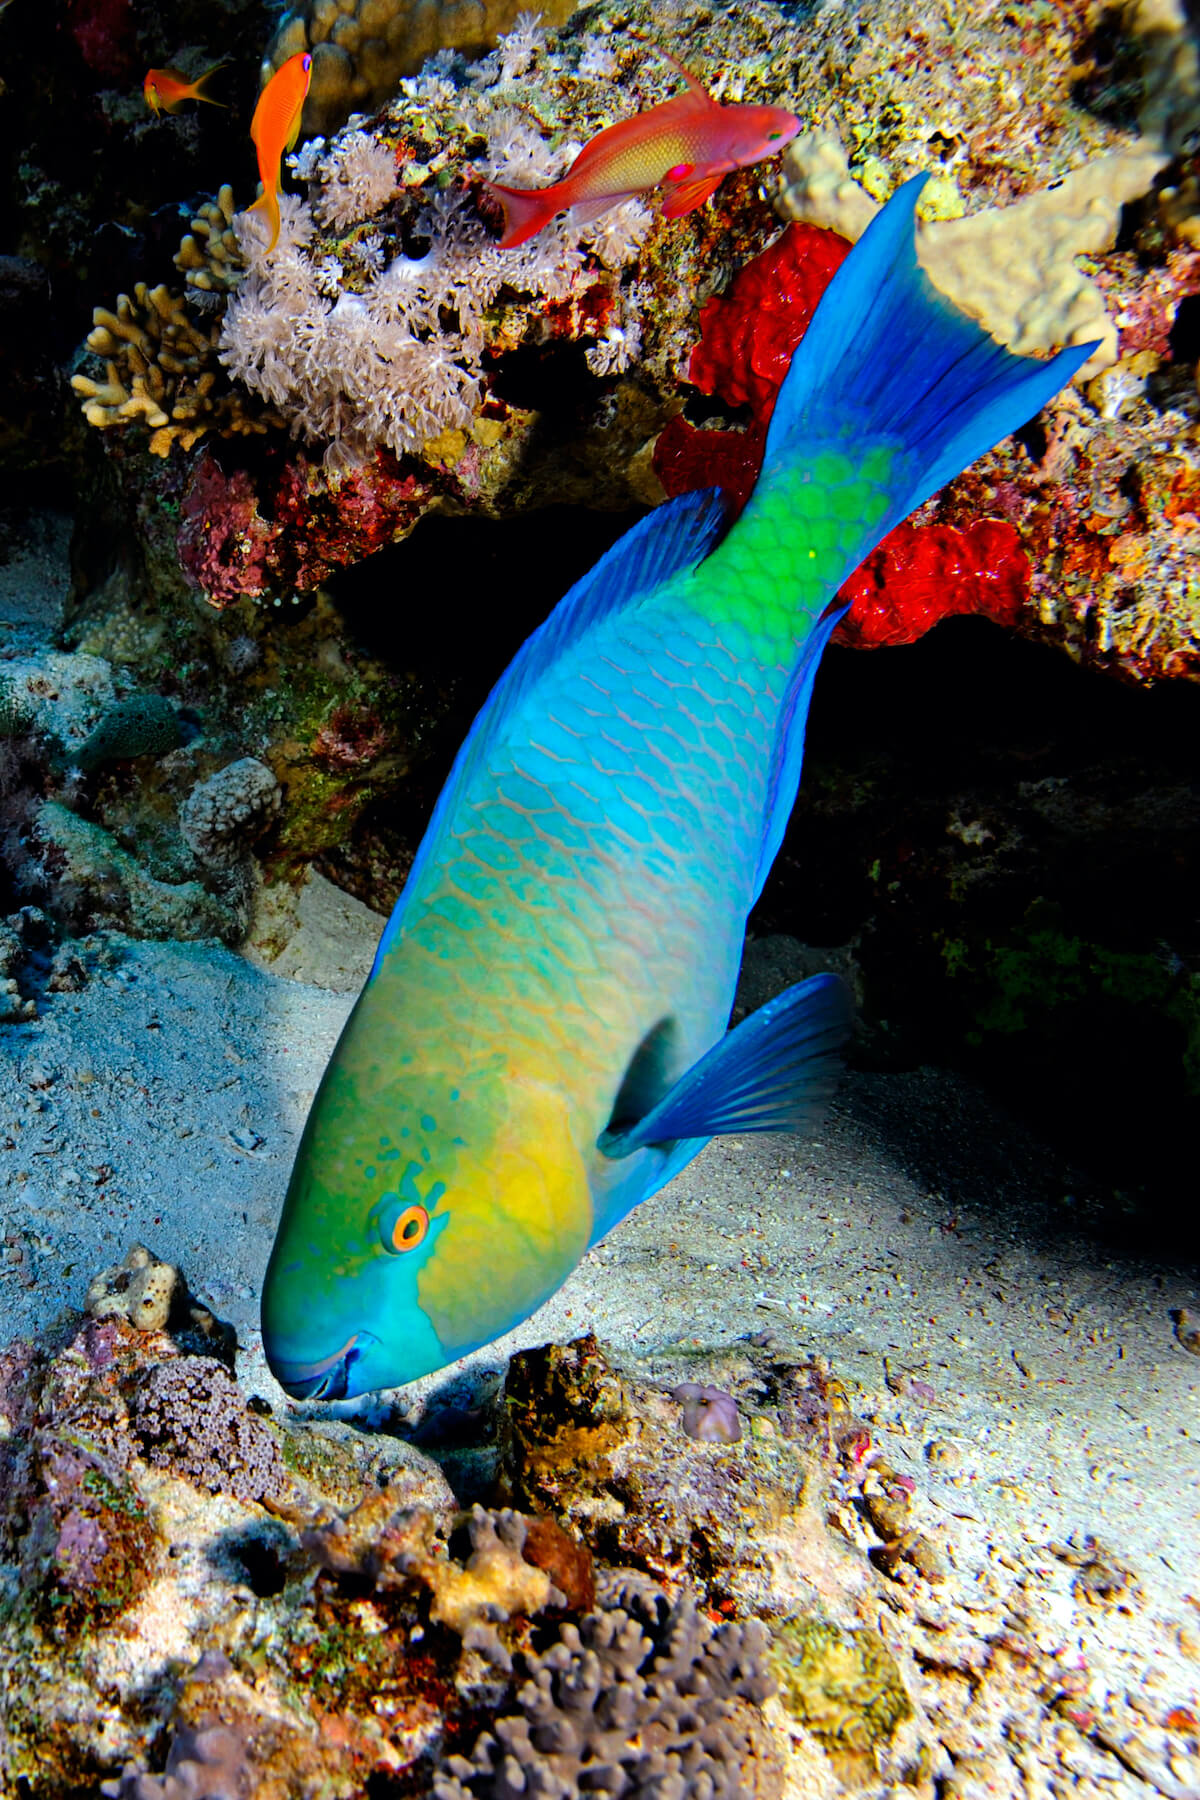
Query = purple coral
x=643 y=1697
x=709 y=1414
x=190 y=1416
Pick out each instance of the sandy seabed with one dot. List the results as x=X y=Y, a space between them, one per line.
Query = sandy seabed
x=1027 y=1377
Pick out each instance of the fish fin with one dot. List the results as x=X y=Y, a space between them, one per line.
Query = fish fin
x=773 y=1072
x=887 y=365
x=787 y=756
x=267 y=205
x=200 y=85
x=889 y=360
x=584 y=211
x=675 y=537
x=526 y=210
x=694 y=82
x=688 y=195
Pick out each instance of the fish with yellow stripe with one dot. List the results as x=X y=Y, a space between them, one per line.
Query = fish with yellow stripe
x=542 y=1041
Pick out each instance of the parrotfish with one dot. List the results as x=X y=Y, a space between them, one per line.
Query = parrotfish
x=275 y=128
x=541 y=1042
x=686 y=146
x=165 y=90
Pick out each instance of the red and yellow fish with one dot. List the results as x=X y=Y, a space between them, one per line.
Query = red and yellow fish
x=166 y=90
x=686 y=146
x=275 y=128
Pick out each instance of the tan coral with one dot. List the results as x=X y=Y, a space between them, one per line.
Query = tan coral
x=362 y=49
x=161 y=371
x=209 y=258
x=1013 y=267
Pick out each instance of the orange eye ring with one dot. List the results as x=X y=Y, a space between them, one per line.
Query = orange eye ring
x=410 y=1228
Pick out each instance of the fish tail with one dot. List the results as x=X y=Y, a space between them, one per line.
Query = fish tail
x=890 y=394
x=267 y=205
x=526 y=210
x=200 y=85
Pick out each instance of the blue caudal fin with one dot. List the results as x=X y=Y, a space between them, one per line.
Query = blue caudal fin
x=887 y=359
x=773 y=1072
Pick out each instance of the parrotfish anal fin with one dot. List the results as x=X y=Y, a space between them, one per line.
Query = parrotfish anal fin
x=690 y=194
x=671 y=540
x=774 y=1072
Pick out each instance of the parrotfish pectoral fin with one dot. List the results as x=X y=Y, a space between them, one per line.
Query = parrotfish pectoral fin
x=773 y=1072
x=887 y=359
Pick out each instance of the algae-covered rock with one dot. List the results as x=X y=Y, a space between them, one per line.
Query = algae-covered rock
x=843 y=1686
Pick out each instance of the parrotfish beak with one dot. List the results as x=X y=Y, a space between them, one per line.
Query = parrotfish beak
x=329 y=1379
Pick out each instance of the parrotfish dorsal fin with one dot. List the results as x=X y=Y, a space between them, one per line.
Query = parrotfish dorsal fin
x=671 y=540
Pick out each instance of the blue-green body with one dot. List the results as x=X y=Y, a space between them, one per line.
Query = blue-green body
x=541 y=1041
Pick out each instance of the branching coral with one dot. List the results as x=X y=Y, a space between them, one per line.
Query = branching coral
x=208 y=258
x=161 y=372
x=642 y=1697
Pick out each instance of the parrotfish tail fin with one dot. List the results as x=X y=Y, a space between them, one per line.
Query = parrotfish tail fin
x=200 y=87
x=891 y=376
x=526 y=210
x=267 y=207
x=891 y=392
x=775 y=1071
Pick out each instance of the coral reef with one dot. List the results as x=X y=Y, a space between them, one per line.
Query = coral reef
x=843 y=1686
x=161 y=372
x=363 y=48
x=188 y=1415
x=139 y=725
x=224 y=815
x=637 y=1695
x=1012 y=267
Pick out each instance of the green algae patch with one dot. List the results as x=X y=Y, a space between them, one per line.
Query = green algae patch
x=844 y=1687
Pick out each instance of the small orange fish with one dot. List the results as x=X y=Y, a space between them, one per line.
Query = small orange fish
x=167 y=89
x=686 y=146
x=275 y=128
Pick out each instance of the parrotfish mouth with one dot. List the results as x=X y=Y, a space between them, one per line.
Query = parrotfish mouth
x=328 y=1379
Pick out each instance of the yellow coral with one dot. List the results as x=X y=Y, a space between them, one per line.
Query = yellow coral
x=161 y=371
x=363 y=48
x=1010 y=267
x=209 y=258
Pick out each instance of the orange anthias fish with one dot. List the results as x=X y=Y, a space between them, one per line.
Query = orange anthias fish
x=167 y=89
x=686 y=146
x=275 y=128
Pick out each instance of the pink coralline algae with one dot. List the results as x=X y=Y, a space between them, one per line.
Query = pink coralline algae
x=919 y=573
x=286 y=529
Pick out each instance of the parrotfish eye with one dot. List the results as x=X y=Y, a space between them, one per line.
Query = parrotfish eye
x=306 y=65
x=402 y=1225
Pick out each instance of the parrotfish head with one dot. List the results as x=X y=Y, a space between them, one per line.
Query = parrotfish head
x=424 y=1218
x=762 y=131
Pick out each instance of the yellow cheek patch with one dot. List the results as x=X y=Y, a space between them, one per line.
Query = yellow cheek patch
x=518 y=1218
